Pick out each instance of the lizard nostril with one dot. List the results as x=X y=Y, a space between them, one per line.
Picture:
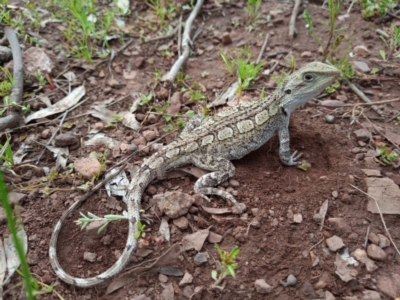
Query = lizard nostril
x=288 y=92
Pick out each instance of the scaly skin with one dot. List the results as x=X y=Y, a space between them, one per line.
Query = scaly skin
x=211 y=144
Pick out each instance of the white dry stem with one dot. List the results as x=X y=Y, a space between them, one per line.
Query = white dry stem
x=380 y=213
x=170 y=77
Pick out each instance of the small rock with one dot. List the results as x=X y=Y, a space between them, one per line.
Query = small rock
x=371 y=295
x=36 y=59
x=93 y=228
x=383 y=241
x=373 y=238
x=355 y=150
x=361 y=66
x=226 y=38
x=163 y=93
x=360 y=156
x=138 y=62
x=188 y=292
x=308 y=290
x=162 y=278
x=335 y=194
x=233 y=183
x=329 y=296
x=306 y=54
x=334 y=243
x=45 y=134
x=152 y=118
x=87 y=167
x=187 y=278
x=201 y=258
x=330 y=119
x=376 y=252
x=181 y=223
x=290 y=214
x=291 y=280
x=88 y=256
x=98 y=125
x=317 y=218
x=262 y=287
x=346 y=198
x=174 y=204
x=168 y=292
x=342 y=98
x=353 y=236
x=65 y=139
x=214 y=238
x=361 y=50
x=16 y=198
x=340 y=225
x=298 y=218
x=362 y=134
x=106 y=240
x=371 y=172
x=175 y=103
x=149 y=135
x=386 y=286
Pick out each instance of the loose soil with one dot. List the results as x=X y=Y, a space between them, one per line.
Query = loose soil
x=278 y=246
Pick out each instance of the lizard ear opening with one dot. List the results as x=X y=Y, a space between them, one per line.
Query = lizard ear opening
x=288 y=91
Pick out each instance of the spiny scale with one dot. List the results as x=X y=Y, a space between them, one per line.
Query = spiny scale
x=210 y=144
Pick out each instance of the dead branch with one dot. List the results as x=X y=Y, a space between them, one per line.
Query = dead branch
x=14 y=118
x=170 y=77
x=360 y=94
x=292 y=22
x=262 y=49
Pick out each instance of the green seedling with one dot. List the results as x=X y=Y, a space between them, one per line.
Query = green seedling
x=140 y=233
x=392 y=43
x=6 y=153
x=40 y=288
x=164 y=10
x=252 y=10
x=42 y=79
x=86 y=220
x=17 y=243
x=204 y=74
x=375 y=8
x=6 y=85
x=145 y=99
x=226 y=264
x=386 y=154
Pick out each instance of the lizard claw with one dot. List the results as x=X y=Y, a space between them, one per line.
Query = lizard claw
x=294 y=157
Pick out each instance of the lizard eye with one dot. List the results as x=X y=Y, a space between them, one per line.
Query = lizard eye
x=308 y=77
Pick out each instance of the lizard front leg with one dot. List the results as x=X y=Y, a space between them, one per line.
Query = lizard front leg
x=284 y=148
x=222 y=170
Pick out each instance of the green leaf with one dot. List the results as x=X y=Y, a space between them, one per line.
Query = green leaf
x=214 y=274
x=383 y=54
x=102 y=227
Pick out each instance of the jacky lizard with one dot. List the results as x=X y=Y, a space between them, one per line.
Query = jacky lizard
x=211 y=144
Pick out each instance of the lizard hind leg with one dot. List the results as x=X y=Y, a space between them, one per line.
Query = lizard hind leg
x=222 y=169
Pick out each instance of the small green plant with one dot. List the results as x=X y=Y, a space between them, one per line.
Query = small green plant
x=17 y=243
x=6 y=153
x=386 y=154
x=140 y=233
x=42 y=79
x=372 y=8
x=204 y=74
x=226 y=264
x=281 y=77
x=392 y=44
x=164 y=10
x=145 y=99
x=6 y=85
x=246 y=71
x=332 y=43
x=40 y=288
x=252 y=10
x=86 y=220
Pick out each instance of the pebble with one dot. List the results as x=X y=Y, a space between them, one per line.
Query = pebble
x=214 y=237
x=334 y=243
x=87 y=167
x=152 y=118
x=360 y=156
x=361 y=66
x=383 y=241
x=149 y=135
x=291 y=280
x=233 y=183
x=162 y=278
x=226 y=38
x=362 y=134
x=98 y=125
x=298 y=218
x=93 y=228
x=386 y=286
x=45 y=134
x=89 y=256
x=355 y=150
x=306 y=54
x=188 y=292
x=65 y=139
x=376 y=252
x=262 y=287
x=201 y=258
x=372 y=172
x=181 y=223
x=317 y=218
x=361 y=50
x=329 y=296
x=174 y=204
x=335 y=194
x=371 y=295
x=187 y=278
x=330 y=118
x=16 y=198
x=346 y=198
x=373 y=238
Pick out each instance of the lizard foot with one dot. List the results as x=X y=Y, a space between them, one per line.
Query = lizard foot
x=223 y=194
x=293 y=159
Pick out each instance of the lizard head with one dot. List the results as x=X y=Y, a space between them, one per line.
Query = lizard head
x=305 y=84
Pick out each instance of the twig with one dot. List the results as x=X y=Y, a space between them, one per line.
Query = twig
x=380 y=213
x=366 y=237
x=383 y=33
x=180 y=35
x=292 y=22
x=316 y=244
x=368 y=104
x=262 y=49
x=351 y=6
x=360 y=94
x=170 y=77
x=14 y=118
x=393 y=118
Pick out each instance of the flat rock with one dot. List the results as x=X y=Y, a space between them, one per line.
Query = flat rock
x=383 y=241
x=361 y=66
x=87 y=167
x=373 y=238
x=88 y=256
x=262 y=287
x=372 y=173
x=329 y=296
x=201 y=258
x=376 y=252
x=386 y=193
x=168 y=292
x=371 y=295
x=181 y=223
x=36 y=59
x=334 y=243
x=65 y=139
x=361 y=50
x=362 y=134
x=187 y=278
x=16 y=198
x=149 y=135
x=174 y=204
x=93 y=227
x=386 y=286
x=214 y=238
